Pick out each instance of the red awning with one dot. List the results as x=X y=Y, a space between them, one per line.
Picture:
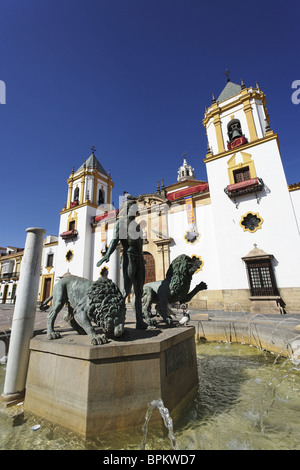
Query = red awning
x=66 y=234
x=242 y=184
x=199 y=188
x=107 y=215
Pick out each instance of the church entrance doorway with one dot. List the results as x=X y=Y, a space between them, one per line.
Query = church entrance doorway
x=5 y=293
x=149 y=267
x=47 y=288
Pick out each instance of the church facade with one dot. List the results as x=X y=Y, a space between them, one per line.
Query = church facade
x=242 y=223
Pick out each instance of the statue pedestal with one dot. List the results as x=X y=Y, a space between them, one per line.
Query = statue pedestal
x=95 y=389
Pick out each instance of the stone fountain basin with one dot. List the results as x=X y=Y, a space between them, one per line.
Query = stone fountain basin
x=95 y=389
x=278 y=334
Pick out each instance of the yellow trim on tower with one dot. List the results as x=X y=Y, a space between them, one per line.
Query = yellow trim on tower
x=243 y=98
x=72 y=219
x=233 y=166
x=217 y=123
x=249 y=117
x=110 y=185
x=82 y=187
x=267 y=138
x=294 y=187
x=70 y=183
x=95 y=187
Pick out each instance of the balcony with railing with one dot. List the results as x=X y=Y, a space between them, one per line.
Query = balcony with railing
x=69 y=234
x=5 y=277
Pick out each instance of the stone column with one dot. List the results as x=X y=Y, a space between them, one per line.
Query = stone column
x=24 y=316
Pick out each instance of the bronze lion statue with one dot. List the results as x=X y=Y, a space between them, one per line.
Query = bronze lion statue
x=100 y=302
x=174 y=288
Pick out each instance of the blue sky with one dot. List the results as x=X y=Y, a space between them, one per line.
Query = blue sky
x=131 y=77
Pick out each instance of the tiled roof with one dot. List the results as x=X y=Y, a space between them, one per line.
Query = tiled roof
x=92 y=162
x=230 y=90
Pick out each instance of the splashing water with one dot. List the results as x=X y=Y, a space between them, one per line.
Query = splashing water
x=246 y=399
x=164 y=412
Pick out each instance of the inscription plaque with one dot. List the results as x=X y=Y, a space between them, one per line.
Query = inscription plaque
x=178 y=356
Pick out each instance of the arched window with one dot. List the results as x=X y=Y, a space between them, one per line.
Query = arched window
x=76 y=194
x=100 y=197
x=234 y=129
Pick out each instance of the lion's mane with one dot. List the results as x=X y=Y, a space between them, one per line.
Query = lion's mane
x=104 y=300
x=179 y=275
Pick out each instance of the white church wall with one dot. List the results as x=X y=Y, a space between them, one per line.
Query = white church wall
x=113 y=265
x=295 y=200
x=79 y=247
x=48 y=250
x=204 y=247
x=278 y=234
x=61 y=265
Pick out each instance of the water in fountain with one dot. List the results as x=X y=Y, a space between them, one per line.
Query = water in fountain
x=247 y=399
x=164 y=412
x=242 y=399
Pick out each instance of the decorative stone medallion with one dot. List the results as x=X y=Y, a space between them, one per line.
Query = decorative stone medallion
x=251 y=222
x=69 y=255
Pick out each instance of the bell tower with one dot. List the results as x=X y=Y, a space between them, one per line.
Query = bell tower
x=185 y=172
x=241 y=143
x=247 y=184
x=89 y=194
x=237 y=117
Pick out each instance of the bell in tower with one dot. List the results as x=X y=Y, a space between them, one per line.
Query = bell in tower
x=235 y=134
x=234 y=129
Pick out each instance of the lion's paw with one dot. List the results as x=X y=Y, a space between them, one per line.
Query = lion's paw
x=53 y=335
x=169 y=321
x=99 y=339
x=141 y=325
x=203 y=285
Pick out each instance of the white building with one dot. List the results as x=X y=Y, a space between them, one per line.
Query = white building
x=10 y=265
x=243 y=223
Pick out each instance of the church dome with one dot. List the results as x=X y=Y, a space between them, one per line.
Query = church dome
x=185 y=172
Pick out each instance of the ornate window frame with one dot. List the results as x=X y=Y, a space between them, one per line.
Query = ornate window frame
x=104 y=271
x=261 y=276
x=191 y=237
x=71 y=231
x=201 y=261
x=256 y=214
x=69 y=258
x=72 y=219
x=233 y=166
x=250 y=185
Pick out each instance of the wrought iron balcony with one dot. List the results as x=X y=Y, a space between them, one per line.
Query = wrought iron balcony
x=9 y=277
x=253 y=185
x=69 y=234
